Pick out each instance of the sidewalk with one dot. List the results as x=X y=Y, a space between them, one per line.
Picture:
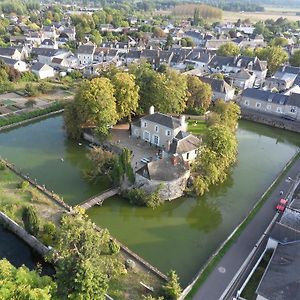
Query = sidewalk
x=221 y=276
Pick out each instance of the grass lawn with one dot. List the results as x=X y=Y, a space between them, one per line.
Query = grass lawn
x=13 y=199
x=197 y=127
x=128 y=286
x=249 y=291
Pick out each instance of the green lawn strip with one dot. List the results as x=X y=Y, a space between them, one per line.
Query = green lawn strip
x=212 y=264
x=250 y=289
x=29 y=115
x=197 y=127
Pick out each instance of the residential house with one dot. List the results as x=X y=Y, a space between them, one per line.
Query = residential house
x=49 y=44
x=179 y=57
x=272 y=103
x=158 y=129
x=196 y=36
x=45 y=55
x=220 y=88
x=49 y=32
x=200 y=59
x=284 y=78
x=85 y=53
x=242 y=79
x=157 y=57
x=11 y=52
x=42 y=70
x=18 y=65
x=132 y=56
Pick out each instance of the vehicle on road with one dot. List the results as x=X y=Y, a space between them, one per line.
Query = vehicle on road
x=282 y=204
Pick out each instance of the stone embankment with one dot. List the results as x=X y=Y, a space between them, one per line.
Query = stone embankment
x=32 y=241
x=270 y=120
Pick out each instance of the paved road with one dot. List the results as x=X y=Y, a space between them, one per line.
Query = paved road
x=219 y=279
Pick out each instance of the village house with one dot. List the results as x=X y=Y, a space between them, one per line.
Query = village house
x=42 y=70
x=11 y=52
x=242 y=79
x=18 y=65
x=220 y=88
x=85 y=53
x=49 y=44
x=272 y=103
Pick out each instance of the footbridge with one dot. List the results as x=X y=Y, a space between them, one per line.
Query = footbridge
x=99 y=199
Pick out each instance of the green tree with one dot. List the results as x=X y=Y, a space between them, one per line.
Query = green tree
x=172 y=289
x=126 y=94
x=228 y=49
x=248 y=52
x=94 y=106
x=169 y=42
x=199 y=93
x=275 y=57
x=279 y=42
x=82 y=269
x=21 y=283
x=295 y=59
x=30 y=220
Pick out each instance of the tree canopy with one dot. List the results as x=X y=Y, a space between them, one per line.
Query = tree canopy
x=295 y=59
x=228 y=49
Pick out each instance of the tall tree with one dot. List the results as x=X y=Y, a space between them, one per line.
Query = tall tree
x=295 y=59
x=199 y=93
x=82 y=269
x=274 y=55
x=126 y=94
x=172 y=288
x=30 y=220
x=94 y=106
x=228 y=49
x=21 y=283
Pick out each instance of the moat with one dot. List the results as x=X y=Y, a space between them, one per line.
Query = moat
x=180 y=235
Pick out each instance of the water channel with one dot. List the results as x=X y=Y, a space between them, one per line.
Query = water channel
x=180 y=235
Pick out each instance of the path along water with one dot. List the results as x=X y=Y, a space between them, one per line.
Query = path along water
x=180 y=235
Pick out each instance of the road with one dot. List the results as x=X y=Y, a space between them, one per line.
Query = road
x=219 y=279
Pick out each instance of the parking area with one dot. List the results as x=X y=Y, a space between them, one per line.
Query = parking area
x=141 y=150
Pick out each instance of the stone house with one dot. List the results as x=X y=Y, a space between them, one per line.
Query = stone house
x=11 y=52
x=242 y=79
x=199 y=59
x=272 y=103
x=49 y=44
x=85 y=54
x=220 y=88
x=42 y=70
x=158 y=129
x=18 y=65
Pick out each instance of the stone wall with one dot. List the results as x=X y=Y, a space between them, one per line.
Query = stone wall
x=32 y=241
x=170 y=189
x=270 y=120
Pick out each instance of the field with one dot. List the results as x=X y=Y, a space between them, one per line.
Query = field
x=197 y=127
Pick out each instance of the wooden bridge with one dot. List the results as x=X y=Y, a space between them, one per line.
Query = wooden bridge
x=99 y=199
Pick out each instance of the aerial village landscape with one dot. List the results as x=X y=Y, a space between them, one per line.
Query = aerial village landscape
x=150 y=150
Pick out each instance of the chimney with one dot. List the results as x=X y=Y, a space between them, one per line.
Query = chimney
x=182 y=120
x=175 y=159
x=151 y=110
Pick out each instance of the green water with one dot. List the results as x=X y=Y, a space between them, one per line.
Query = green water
x=180 y=235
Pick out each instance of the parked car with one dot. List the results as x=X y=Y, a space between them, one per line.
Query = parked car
x=282 y=204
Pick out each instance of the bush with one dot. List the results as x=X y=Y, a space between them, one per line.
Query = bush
x=45 y=87
x=172 y=288
x=30 y=220
x=2 y=166
x=31 y=90
x=24 y=185
x=48 y=235
x=28 y=76
x=114 y=247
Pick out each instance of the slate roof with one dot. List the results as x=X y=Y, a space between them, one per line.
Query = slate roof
x=37 y=66
x=281 y=280
x=133 y=54
x=7 y=51
x=8 y=61
x=156 y=170
x=44 y=51
x=48 y=42
x=284 y=234
x=265 y=96
x=219 y=61
x=291 y=218
x=217 y=85
x=86 y=49
x=241 y=74
x=183 y=143
x=164 y=120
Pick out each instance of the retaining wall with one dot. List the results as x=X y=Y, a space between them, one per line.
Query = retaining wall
x=32 y=241
x=30 y=120
x=270 y=120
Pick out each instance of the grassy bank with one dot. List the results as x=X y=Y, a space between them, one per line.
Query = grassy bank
x=216 y=259
x=197 y=127
x=30 y=115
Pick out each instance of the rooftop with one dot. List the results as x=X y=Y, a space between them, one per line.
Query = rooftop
x=162 y=119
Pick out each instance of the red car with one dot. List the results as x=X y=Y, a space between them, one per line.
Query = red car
x=280 y=207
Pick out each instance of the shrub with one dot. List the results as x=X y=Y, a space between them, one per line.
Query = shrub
x=45 y=87
x=24 y=185
x=30 y=220
x=114 y=247
x=172 y=288
x=48 y=235
x=2 y=166
x=31 y=90
x=28 y=76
